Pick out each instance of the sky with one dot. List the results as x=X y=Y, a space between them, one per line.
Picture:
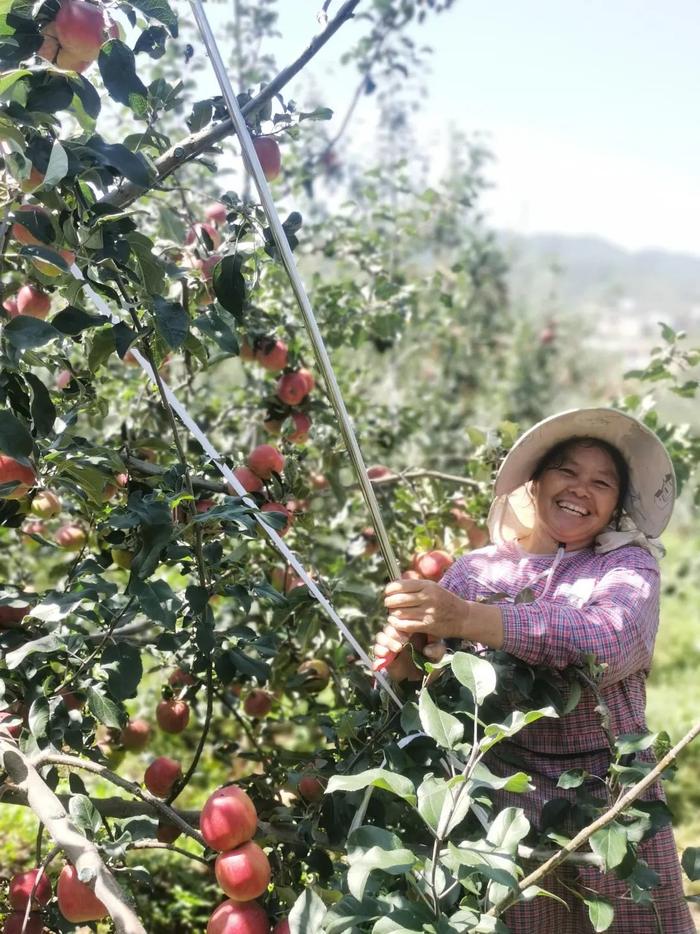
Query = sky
x=590 y=108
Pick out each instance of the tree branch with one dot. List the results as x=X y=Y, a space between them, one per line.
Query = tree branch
x=191 y=146
x=584 y=835
x=81 y=852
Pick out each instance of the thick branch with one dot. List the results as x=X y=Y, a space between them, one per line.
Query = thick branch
x=108 y=807
x=197 y=143
x=584 y=835
x=81 y=852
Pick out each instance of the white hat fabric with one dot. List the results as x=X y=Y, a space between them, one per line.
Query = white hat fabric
x=652 y=486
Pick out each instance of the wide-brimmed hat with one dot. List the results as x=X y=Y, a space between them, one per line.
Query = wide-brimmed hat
x=652 y=481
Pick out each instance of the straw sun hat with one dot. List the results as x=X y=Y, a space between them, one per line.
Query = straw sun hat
x=652 y=483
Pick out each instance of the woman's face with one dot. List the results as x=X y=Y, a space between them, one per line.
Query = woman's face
x=576 y=500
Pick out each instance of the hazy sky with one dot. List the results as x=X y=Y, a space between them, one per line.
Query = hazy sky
x=590 y=108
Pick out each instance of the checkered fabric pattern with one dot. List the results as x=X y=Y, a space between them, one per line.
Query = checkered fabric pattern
x=608 y=606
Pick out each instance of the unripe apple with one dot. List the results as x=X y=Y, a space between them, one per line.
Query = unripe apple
x=282 y=927
x=46 y=504
x=172 y=715
x=311 y=788
x=216 y=213
x=198 y=234
x=264 y=460
x=76 y=901
x=269 y=155
x=239 y=918
x=272 y=355
x=14 y=923
x=21 y=888
x=33 y=302
x=302 y=424
x=11 y=471
x=278 y=507
x=122 y=558
x=258 y=703
x=248 y=480
x=167 y=833
x=315 y=674
x=11 y=616
x=292 y=388
x=228 y=818
x=23 y=234
x=71 y=537
x=161 y=775
x=244 y=873
x=432 y=565
x=135 y=735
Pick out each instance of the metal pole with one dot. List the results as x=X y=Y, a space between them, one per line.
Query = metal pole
x=253 y=164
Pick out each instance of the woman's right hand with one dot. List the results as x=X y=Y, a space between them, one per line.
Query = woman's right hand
x=389 y=641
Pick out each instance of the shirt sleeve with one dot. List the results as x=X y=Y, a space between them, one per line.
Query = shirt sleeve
x=617 y=625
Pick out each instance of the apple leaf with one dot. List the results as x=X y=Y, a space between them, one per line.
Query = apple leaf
x=72 y=320
x=43 y=410
x=158 y=9
x=121 y=160
x=26 y=333
x=307 y=914
x=380 y=778
x=172 y=322
x=229 y=285
x=443 y=727
x=691 y=862
x=38 y=223
x=118 y=69
x=600 y=912
x=610 y=843
x=103 y=709
x=15 y=439
x=474 y=673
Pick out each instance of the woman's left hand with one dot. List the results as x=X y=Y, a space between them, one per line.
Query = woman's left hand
x=424 y=606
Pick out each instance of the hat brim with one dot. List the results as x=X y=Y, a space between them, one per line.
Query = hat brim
x=652 y=489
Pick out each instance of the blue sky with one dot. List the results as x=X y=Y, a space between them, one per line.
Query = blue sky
x=590 y=108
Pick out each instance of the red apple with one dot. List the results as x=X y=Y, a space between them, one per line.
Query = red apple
x=228 y=818
x=432 y=565
x=181 y=679
x=46 y=504
x=216 y=213
x=22 y=233
x=135 y=735
x=80 y=30
x=234 y=918
x=11 y=616
x=311 y=788
x=278 y=507
x=243 y=873
x=379 y=472
x=11 y=471
x=247 y=352
x=269 y=155
x=33 y=301
x=63 y=379
x=72 y=701
x=264 y=460
x=76 y=901
x=272 y=355
x=302 y=424
x=21 y=888
x=161 y=775
x=248 y=480
x=173 y=715
x=198 y=234
x=10 y=306
x=292 y=388
x=14 y=923
x=308 y=376
x=167 y=833
x=71 y=537
x=282 y=927
x=208 y=265
x=318 y=481
x=258 y=703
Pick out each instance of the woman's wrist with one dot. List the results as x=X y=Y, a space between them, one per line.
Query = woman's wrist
x=465 y=628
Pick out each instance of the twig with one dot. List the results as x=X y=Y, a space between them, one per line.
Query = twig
x=196 y=143
x=584 y=835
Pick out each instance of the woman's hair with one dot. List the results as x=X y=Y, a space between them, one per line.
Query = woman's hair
x=557 y=454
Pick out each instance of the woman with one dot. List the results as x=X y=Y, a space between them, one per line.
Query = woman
x=578 y=503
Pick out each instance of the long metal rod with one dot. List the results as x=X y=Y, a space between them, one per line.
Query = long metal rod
x=253 y=165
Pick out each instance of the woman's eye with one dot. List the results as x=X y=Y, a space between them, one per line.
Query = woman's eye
x=566 y=470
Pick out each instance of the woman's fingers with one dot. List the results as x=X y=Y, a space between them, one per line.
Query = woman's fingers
x=435 y=650
x=389 y=642
x=403 y=586
x=403 y=599
x=409 y=625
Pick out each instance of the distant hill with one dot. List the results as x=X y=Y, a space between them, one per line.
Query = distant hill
x=633 y=290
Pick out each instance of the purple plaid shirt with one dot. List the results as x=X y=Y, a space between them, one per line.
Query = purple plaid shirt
x=606 y=606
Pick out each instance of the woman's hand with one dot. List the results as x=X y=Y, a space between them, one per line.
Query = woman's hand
x=423 y=606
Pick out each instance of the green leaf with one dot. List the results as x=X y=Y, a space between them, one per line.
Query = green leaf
x=379 y=778
x=441 y=726
x=38 y=717
x=476 y=674
x=118 y=69
x=172 y=322
x=103 y=709
x=46 y=645
x=627 y=743
x=370 y=849
x=510 y=826
x=117 y=157
x=600 y=912
x=159 y=10
x=691 y=862
x=307 y=914
x=229 y=285
x=85 y=815
x=518 y=782
x=26 y=333
x=574 y=778
x=72 y=320
x=610 y=844
x=15 y=439
x=443 y=803
x=43 y=410
x=57 y=169
x=124 y=668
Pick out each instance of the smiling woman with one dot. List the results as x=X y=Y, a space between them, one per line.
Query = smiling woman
x=571 y=575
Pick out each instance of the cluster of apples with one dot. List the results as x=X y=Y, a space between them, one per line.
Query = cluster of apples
x=76 y=900
x=72 y=40
x=262 y=463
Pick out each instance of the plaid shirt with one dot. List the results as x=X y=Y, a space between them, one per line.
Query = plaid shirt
x=606 y=606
